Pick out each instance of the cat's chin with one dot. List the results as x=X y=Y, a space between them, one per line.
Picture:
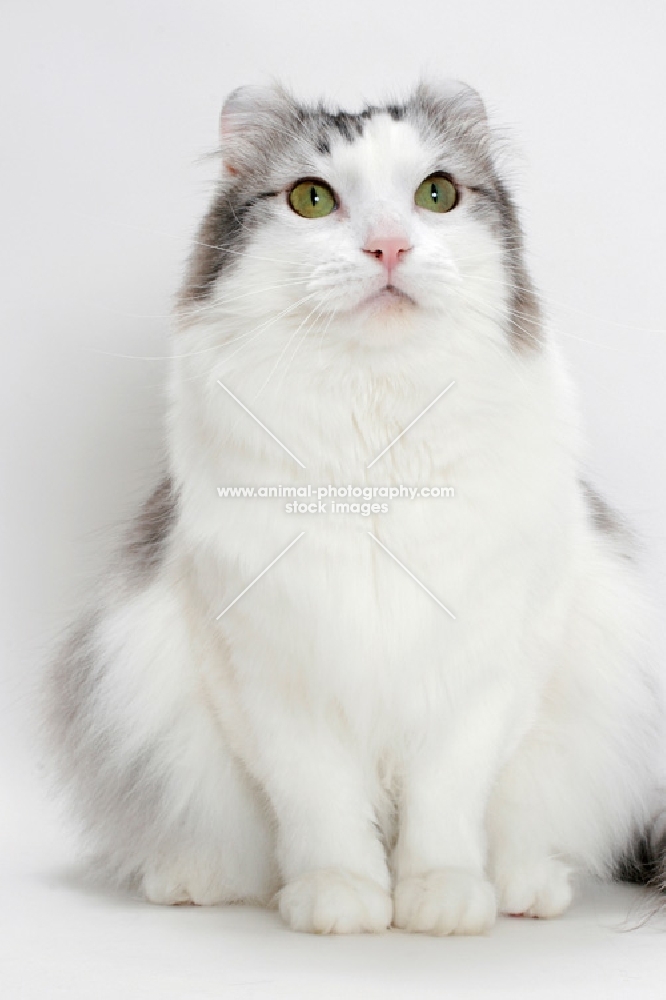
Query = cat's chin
x=388 y=330
x=388 y=300
x=382 y=319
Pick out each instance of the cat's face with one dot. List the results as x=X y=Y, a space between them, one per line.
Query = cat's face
x=366 y=221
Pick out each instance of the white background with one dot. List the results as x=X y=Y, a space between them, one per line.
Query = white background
x=107 y=109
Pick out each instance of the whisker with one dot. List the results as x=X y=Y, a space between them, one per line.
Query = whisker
x=332 y=314
x=212 y=308
x=497 y=315
x=189 y=240
x=548 y=301
x=252 y=334
x=283 y=351
x=308 y=330
x=264 y=326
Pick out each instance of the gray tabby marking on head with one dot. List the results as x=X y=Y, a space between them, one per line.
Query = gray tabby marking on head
x=525 y=329
x=457 y=116
x=276 y=129
x=272 y=132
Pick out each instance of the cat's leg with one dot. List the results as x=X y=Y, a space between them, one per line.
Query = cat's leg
x=168 y=805
x=332 y=864
x=218 y=844
x=581 y=779
x=531 y=874
x=440 y=855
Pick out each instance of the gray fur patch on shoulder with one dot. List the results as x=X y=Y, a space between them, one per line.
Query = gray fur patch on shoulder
x=146 y=542
x=608 y=522
x=118 y=801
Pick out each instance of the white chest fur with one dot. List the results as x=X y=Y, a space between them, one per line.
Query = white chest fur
x=337 y=617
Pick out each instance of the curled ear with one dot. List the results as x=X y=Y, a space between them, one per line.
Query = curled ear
x=453 y=104
x=252 y=119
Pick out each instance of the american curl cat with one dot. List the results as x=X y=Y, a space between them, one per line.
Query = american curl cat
x=417 y=713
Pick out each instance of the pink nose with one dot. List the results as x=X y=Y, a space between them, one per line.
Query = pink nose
x=387 y=249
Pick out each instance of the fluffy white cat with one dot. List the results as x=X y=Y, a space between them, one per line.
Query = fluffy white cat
x=420 y=740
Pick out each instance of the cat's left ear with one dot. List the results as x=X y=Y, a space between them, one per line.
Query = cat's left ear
x=452 y=103
x=252 y=118
x=452 y=95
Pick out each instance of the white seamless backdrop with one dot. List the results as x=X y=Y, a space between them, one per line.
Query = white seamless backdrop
x=107 y=111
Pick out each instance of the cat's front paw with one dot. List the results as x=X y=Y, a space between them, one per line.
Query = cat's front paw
x=331 y=901
x=534 y=889
x=447 y=901
x=181 y=884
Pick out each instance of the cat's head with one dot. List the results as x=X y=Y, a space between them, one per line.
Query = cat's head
x=362 y=222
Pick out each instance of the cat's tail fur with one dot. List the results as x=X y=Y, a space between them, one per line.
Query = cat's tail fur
x=644 y=861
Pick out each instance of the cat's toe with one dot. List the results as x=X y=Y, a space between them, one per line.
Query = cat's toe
x=177 y=885
x=163 y=890
x=335 y=902
x=537 y=889
x=447 y=901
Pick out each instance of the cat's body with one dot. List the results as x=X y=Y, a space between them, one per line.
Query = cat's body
x=337 y=734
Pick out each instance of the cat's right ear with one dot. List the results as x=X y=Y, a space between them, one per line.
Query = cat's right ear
x=246 y=121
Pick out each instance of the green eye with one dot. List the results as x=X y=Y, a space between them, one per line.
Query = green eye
x=312 y=199
x=437 y=193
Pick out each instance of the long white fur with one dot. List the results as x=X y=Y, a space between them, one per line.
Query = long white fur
x=335 y=735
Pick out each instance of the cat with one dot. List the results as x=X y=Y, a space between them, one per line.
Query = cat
x=419 y=716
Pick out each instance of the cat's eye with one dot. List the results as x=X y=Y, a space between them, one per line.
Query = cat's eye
x=437 y=193
x=312 y=198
